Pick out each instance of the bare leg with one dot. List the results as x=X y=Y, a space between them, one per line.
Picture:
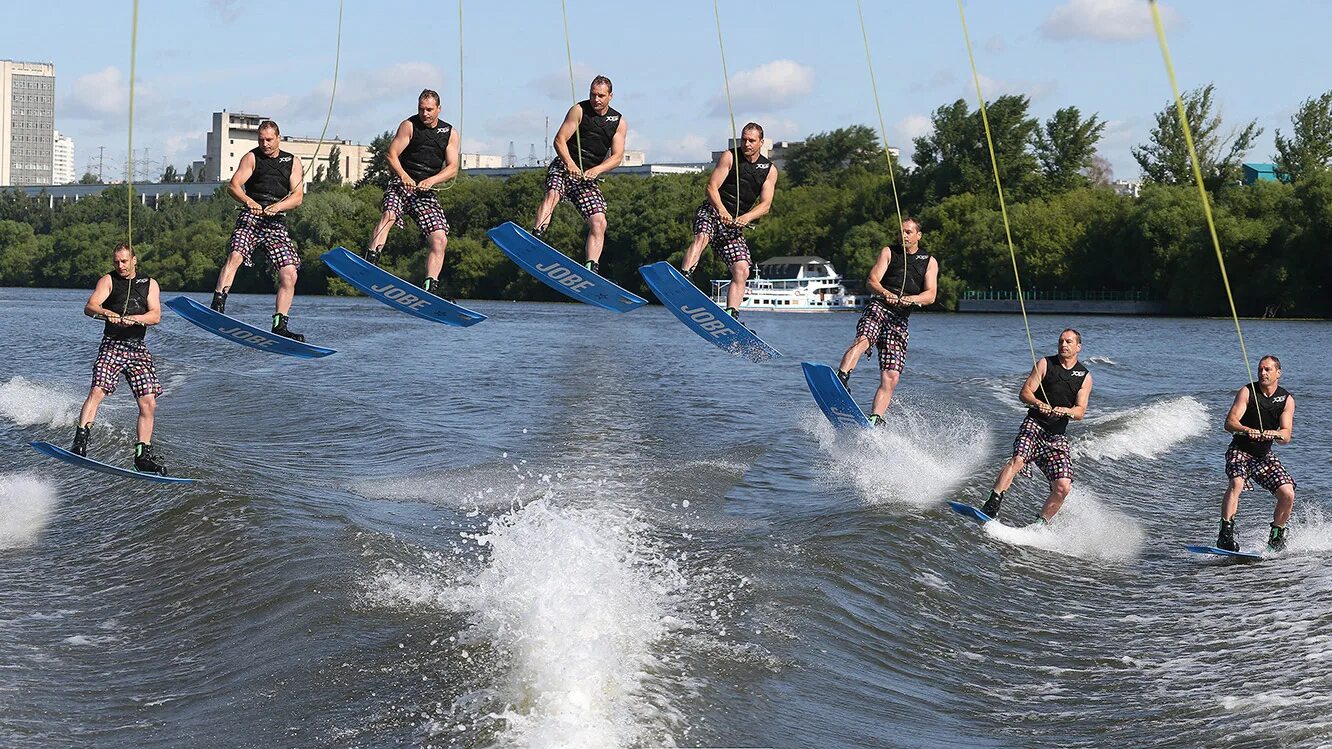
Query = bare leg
x=547 y=207
x=1230 y=503
x=439 y=241
x=854 y=353
x=1285 y=497
x=884 y=395
x=89 y=411
x=286 y=289
x=694 y=252
x=1059 y=490
x=380 y=235
x=1009 y=472
x=735 y=294
x=147 y=408
x=228 y=272
x=596 y=236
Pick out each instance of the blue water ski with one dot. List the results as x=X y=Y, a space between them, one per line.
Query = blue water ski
x=376 y=282
x=561 y=272
x=702 y=315
x=832 y=396
x=247 y=335
x=60 y=453
x=968 y=511
x=1250 y=556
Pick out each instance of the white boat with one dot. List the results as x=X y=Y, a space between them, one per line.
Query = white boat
x=793 y=284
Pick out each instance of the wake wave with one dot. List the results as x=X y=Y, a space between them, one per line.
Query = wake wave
x=27 y=403
x=917 y=459
x=1148 y=431
x=572 y=601
x=26 y=504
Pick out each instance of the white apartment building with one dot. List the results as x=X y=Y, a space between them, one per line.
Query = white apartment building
x=27 y=122
x=62 y=160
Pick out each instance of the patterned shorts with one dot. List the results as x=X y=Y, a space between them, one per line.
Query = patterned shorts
x=727 y=240
x=886 y=329
x=421 y=205
x=1267 y=470
x=583 y=193
x=265 y=232
x=1048 y=451
x=130 y=357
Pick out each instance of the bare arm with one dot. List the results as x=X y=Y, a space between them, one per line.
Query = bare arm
x=1237 y=411
x=615 y=156
x=236 y=187
x=927 y=294
x=764 y=203
x=1028 y=394
x=562 y=136
x=396 y=146
x=297 y=188
x=98 y=297
x=875 y=279
x=715 y=181
x=450 y=169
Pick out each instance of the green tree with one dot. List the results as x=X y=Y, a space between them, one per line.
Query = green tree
x=1066 y=148
x=169 y=174
x=189 y=174
x=18 y=253
x=823 y=157
x=378 y=172
x=1165 y=157
x=89 y=178
x=334 y=175
x=955 y=157
x=1309 y=147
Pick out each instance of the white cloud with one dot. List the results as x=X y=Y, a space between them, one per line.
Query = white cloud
x=690 y=147
x=555 y=85
x=993 y=88
x=912 y=126
x=99 y=95
x=769 y=87
x=1104 y=20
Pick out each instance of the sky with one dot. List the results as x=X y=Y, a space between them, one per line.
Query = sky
x=796 y=67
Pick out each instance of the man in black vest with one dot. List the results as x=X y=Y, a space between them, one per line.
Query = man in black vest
x=423 y=153
x=900 y=280
x=589 y=143
x=740 y=192
x=267 y=182
x=1257 y=420
x=1057 y=390
x=129 y=303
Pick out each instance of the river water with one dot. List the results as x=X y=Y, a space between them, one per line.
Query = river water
x=565 y=527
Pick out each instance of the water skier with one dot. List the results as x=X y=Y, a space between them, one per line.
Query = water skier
x=1066 y=385
x=1257 y=419
x=595 y=132
x=423 y=153
x=900 y=281
x=268 y=182
x=740 y=192
x=129 y=303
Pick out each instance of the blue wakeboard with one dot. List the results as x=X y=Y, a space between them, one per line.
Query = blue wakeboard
x=832 y=396
x=561 y=272
x=1249 y=556
x=967 y=511
x=376 y=282
x=60 y=453
x=247 y=335
x=702 y=315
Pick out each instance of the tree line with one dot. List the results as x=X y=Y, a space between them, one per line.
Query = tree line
x=835 y=200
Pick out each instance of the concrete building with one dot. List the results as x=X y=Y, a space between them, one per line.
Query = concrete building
x=1251 y=173
x=148 y=194
x=27 y=122
x=1128 y=187
x=62 y=160
x=482 y=161
x=234 y=133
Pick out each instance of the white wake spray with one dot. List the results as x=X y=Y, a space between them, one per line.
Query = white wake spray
x=27 y=403
x=26 y=504
x=1148 y=431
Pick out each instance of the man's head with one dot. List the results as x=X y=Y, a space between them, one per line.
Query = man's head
x=123 y=260
x=751 y=140
x=599 y=94
x=1269 y=371
x=427 y=106
x=1070 y=343
x=910 y=232
x=269 y=138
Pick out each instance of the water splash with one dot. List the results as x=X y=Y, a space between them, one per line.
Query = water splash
x=918 y=458
x=27 y=403
x=1148 y=431
x=1085 y=527
x=26 y=504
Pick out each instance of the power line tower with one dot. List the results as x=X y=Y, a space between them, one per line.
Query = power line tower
x=510 y=158
x=531 y=154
